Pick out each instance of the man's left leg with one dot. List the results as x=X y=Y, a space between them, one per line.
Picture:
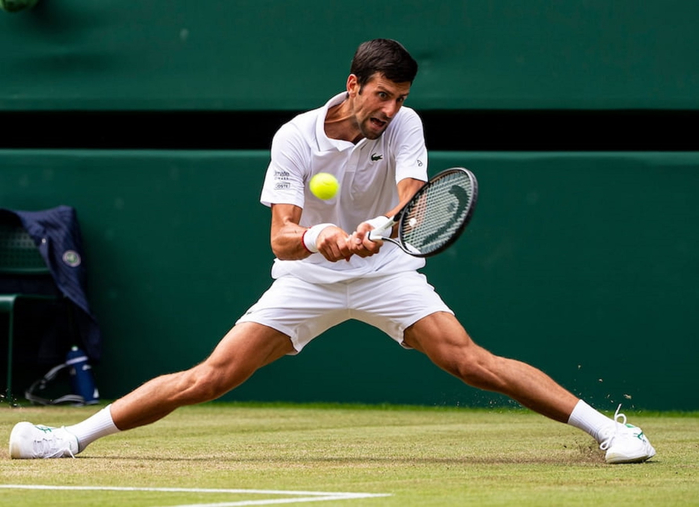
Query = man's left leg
x=442 y=338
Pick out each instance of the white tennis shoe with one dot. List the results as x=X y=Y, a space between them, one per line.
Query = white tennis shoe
x=29 y=441
x=625 y=443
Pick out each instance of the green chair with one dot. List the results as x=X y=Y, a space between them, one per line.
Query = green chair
x=19 y=258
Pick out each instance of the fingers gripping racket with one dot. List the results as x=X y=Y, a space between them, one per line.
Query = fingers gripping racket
x=436 y=215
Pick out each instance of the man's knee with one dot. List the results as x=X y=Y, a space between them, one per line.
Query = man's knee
x=442 y=338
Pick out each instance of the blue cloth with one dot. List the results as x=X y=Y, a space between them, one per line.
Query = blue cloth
x=56 y=232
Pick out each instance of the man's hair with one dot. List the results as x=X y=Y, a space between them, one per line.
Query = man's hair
x=384 y=56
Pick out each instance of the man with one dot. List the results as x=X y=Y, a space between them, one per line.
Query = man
x=327 y=271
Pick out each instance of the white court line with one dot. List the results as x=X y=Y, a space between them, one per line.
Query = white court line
x=305 y=496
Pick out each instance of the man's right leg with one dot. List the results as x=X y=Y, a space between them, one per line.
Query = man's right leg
x=246 y=348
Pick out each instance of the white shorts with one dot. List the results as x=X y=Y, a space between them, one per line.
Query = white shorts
x=303 y=310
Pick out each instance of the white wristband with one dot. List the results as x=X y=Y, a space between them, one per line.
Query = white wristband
x=310 y=236
x=379 y=222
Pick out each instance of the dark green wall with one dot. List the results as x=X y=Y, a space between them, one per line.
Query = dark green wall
x=584 y=264
x=289 y=55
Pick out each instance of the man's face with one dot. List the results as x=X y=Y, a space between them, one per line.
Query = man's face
x=376 y=103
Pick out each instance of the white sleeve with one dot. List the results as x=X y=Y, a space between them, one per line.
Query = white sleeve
x=408 y=140
x=284 y=181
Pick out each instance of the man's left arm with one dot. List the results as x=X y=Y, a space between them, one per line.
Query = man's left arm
x=359 y=242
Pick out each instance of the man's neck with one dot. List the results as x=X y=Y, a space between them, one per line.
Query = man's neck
x=340 y=124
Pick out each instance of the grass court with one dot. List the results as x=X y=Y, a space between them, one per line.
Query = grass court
x=234 y=454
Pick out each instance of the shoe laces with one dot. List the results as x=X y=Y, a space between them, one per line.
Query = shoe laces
x=608 y=434
x=54 y=445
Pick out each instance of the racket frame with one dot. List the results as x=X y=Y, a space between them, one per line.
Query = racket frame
x=398 y=218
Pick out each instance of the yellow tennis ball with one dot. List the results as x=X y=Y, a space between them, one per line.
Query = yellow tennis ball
x=324 y=186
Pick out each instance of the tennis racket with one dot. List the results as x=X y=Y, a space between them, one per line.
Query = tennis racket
x=436 y=215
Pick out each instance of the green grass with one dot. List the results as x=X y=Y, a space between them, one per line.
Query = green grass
x=420 y=456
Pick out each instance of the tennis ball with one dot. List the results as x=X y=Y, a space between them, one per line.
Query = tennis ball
x=324 y=186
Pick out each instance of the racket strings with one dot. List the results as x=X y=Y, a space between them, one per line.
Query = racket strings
x=438 y=213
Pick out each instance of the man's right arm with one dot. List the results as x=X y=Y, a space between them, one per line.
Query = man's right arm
x=288 y=241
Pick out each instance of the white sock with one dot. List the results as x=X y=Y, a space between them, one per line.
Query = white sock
x=589 y=420
x=94 y=427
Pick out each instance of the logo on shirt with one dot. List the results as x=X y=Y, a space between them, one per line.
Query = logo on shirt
x=281 y=175
x=375 y=157
x=281 y=179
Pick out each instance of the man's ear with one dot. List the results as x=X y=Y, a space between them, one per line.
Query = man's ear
x=352 y=85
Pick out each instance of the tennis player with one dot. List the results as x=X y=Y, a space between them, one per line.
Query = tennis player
x=327 y=271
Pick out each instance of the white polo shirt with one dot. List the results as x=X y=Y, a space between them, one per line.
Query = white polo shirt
x=368 y=173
